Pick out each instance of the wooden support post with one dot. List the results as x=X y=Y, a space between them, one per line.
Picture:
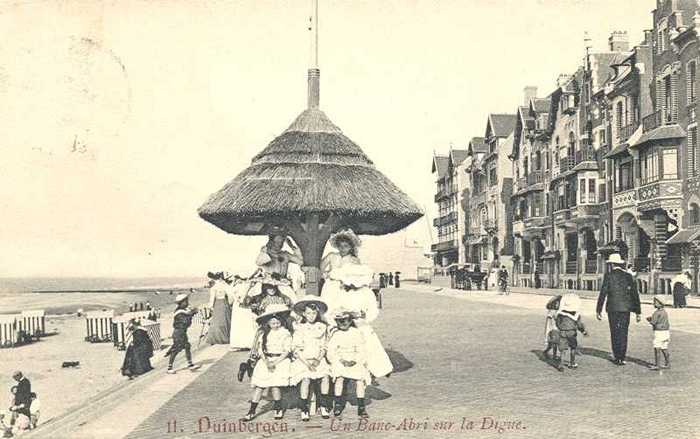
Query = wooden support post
x=311 y=236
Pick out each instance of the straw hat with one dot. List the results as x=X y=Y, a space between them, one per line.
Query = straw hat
x=274 y=310
x=570 y=302
x=354 y=275
x=308 y=300
x=347 y=234
x=660 y=299
x=180 y=297
x=342 y=313
x=615 y=258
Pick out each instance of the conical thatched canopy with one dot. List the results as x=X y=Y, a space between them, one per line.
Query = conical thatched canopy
x=312 y=167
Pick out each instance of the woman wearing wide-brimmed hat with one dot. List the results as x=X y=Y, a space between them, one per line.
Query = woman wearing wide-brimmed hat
x=357 y=297
x=273 y=259
x=309 y=366
x=220 y=304
x=243 y=324
x=346 y=244
x=273 y=369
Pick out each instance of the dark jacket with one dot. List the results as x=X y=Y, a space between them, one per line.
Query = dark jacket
x=620 y=290
x=24 y=396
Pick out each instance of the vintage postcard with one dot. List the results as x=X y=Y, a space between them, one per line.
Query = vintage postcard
x=349 y=218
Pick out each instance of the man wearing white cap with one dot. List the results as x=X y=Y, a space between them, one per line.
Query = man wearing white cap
x=620 y=296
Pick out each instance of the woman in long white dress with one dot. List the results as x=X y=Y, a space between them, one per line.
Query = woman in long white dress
x=220 y=304
x=346 y=243
x=359 y=298
x=243 y=326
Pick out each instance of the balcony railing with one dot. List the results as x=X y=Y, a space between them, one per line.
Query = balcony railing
x=641 y=265
x=571 y=267
x=442 y=193
x=591 y=266
x=625 y=132
x=671 y=264
x=566 y=164
x=522 y=183
x=527 y=269
x=658 y=118
x=586 y=154
x=534 y=177
x=490 y=224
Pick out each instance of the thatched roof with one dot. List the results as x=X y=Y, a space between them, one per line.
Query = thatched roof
x=312 y=167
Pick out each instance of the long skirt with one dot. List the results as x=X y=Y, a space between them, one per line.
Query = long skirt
x=220 y=326
x=137 y=361
x=243 y=327
x=679 y=295
x=263 y=377
x=331 y=296
x=378 y=361
x=356 y=372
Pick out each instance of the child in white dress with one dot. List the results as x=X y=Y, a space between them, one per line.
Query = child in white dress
x=273 y=368
x=309 y=366
x=348 y=359
x=346 y=243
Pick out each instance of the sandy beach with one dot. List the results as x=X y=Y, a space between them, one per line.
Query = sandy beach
x=61 y=389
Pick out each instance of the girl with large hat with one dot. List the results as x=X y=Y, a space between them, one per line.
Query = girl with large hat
x=274 y=260
x=348 y=357
x=273 y=368
x=357 y=297
x=309 y=366
x=346 y=244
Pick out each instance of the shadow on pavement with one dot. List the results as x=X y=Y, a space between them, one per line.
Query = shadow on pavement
x=605 y=355
x=546 y=360
x=399 y=361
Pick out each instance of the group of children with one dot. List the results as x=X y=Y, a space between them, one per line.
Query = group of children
x=563 y=322
x=308 y=350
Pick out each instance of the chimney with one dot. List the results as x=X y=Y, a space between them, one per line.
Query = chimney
x=648 y=37
x=529 y=92
x=314 y=88
x=618 y=41
x=563 y=79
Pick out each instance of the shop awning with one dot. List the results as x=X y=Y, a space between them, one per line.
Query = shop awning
x=684 y=236
x=660 y=133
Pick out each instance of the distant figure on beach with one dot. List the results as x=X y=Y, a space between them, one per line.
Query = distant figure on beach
x=182 y=320
x=391 y=278
x=397 y=280
x=220 y=304
x=137 y=359
x=23 y=395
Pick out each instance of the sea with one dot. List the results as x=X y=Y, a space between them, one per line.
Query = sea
x=13 y=285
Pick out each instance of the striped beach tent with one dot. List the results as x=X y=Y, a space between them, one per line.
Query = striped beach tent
x=8 y=330
x=99 y=326
x=33 y=323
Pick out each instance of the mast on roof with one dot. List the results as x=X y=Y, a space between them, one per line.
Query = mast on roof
x=314 y=72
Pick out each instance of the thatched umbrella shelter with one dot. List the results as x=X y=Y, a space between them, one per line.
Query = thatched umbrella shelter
x=312 y=180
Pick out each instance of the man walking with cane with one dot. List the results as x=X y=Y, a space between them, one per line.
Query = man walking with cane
x=619 y=290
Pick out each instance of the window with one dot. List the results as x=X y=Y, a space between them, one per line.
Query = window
x=690 y=76
x=562 y=198
x=624 y=177
x=694 y=214
x=547 y=206
x=572 y=144
x=618 y=118
x=538 y=160
x=660 y=41
x=649 y=166
x=670 y=163
x=582 y=190
x=547 y=160
x=668 y=99
x=493 y=181
x=693 y=153
x=526 y=169
x=591 y=190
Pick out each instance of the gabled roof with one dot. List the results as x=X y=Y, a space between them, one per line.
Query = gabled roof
x=440 y=165
x=601 y=66
x=540 y=105
x=477 y=146
x=522 y=119
x=457 y=156
x=500 y=125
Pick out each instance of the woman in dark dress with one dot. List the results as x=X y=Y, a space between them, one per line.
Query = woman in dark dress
x=681 y=286
x=137 y=360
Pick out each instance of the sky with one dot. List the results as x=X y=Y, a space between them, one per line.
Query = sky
x=119 y=118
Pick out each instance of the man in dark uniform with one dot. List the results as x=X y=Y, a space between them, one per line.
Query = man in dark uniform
x=181 y=322
x=23 y=399
x=619 y=293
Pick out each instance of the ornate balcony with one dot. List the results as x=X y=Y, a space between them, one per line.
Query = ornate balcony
x=445 y=219
x=566 y=164
x=442 y=194
x=571 y=267
x=535 y=177
x=625 y=199
x=586 y=154
x=444 y=246
x=591 y=266
x=663 y=193
x=657 y=119
x=490 y=224
x=671 y=264
x=625 y=132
